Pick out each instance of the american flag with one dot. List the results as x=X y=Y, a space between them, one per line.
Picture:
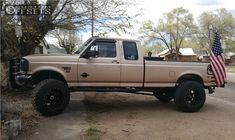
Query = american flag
x=217 y=62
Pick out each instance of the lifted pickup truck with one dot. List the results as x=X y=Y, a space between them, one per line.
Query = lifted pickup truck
x=108 y=64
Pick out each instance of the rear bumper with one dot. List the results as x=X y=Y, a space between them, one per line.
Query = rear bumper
x=210 y=86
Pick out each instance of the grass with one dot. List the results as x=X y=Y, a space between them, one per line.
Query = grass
x=92 y=132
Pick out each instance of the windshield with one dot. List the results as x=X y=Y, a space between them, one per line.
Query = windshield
x=83 y=46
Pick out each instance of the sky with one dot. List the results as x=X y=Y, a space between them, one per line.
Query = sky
x=154 y=9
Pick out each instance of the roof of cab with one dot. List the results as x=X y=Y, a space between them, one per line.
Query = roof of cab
x=113 y=38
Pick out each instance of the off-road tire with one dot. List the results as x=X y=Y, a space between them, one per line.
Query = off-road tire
x=50 y=97
x=189 y=96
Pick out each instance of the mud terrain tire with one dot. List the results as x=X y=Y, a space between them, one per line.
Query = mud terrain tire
x=190 y=96
x=50 y=97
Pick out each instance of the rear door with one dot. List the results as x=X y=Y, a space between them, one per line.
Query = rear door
x=131 y=64
x=103 y=70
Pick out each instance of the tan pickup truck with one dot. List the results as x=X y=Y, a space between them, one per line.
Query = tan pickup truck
x=108 y=64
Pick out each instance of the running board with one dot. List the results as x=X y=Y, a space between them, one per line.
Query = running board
x=113 y=90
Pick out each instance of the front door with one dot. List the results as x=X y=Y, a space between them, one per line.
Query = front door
x=102 y=70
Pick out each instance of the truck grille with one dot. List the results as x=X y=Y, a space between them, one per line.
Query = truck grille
x=14 y=68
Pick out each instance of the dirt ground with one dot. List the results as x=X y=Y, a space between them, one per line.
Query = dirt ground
x=16 y=106
x=120 y=116
x=123 y=116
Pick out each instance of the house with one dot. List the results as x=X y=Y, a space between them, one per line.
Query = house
x=232 y=60
x=185 y=54
x=42 y=48
x=55 y=49
x=45 y=48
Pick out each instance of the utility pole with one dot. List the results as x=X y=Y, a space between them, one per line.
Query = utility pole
x=92 y=18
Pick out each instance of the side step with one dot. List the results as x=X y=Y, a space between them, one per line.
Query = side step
x=131 y=90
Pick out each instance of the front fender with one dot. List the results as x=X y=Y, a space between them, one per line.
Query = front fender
x=49 y=68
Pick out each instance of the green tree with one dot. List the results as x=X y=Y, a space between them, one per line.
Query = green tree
x=220 y=20
x=172 y=29
x=155 y=49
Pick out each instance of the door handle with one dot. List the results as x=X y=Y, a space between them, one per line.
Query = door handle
x=115 y=61
x=84 y=75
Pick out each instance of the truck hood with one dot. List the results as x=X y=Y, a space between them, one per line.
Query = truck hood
x=52 y=58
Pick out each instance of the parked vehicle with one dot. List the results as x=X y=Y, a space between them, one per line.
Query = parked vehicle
x=109 y=64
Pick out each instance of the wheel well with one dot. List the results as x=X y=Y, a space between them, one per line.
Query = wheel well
x=190 y=77
x=43 y=75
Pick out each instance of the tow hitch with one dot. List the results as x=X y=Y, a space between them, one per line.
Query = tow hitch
x=211 y=90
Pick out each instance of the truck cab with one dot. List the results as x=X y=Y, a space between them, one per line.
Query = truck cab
x=111 y=62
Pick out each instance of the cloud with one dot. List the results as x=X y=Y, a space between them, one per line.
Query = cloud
x=208 y=2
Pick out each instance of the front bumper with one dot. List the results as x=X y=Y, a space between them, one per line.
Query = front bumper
x=22 y=79
x=17 y=77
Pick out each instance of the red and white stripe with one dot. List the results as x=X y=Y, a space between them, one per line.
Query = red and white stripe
x=218 y=69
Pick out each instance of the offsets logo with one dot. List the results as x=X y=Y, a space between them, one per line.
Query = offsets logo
x=28 y=10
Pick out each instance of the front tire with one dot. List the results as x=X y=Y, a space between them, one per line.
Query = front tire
x=50 y=97
x=190 y=96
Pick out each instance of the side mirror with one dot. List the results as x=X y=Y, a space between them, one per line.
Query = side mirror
x=91 y=53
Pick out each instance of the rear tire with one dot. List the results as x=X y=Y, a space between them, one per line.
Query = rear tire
x=190 y=96
x=50 y=97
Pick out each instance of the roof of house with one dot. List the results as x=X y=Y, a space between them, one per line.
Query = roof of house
x=183 y=51
x=163 y=52
x=55 y=49
x=232 y=57
x=187 y=51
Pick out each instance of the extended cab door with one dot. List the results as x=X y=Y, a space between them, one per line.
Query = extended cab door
x=132 y=67
x=102 y=70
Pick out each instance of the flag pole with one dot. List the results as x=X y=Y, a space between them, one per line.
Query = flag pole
x=214 y=30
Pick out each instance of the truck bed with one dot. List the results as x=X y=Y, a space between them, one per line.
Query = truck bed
x=168 y=72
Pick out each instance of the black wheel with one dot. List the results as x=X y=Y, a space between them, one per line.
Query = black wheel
x=164 y=95
x=190 y=96
x=50 y=97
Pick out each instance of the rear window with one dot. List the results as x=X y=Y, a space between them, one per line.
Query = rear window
x=130 y=50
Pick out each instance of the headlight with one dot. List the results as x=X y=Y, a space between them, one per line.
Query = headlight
x=24 y=65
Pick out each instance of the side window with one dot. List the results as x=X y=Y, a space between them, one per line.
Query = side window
x=106 y=49
x=130 y=50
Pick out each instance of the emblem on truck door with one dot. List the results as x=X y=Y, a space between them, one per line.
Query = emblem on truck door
x=67 y=69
